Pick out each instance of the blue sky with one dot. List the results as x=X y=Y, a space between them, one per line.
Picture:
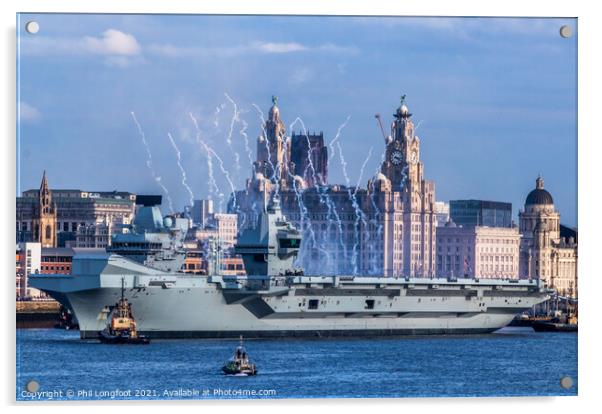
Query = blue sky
x=495 y=99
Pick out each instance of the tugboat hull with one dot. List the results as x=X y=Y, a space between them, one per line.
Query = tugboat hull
x=106 y=338
x=554 y=327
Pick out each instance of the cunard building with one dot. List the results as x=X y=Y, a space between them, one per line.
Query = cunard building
x=388 y=227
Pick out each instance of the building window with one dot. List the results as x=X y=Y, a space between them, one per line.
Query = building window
x=48 y=232
x=313 y=304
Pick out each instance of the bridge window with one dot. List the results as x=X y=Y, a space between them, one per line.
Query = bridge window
x=289 y=243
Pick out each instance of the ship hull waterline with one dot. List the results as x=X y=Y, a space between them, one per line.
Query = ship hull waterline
x=204 y=313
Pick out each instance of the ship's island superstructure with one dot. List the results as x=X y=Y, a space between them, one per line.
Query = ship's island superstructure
x=274 y=299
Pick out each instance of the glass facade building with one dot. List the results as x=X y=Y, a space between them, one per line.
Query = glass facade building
x=470 y=213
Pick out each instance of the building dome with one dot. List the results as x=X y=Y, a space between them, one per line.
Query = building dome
x=380 y=177
x=539 y=196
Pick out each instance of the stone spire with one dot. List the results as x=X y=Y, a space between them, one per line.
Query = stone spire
x=44 y=184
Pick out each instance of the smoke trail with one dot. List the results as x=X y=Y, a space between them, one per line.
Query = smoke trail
x=182 y=171
x=149 y=162
x=357 y=186
x=336 y=137
x=235 y=118
x=218 y=109
x=243 y=132
x=213 y=187
x=222 y=168
x=358 y=211
x=322 y=191
x=418 y=125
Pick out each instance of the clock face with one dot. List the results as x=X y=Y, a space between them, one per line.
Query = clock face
x=396 y=158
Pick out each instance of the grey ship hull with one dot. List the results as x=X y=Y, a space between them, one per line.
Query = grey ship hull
x=193 y=306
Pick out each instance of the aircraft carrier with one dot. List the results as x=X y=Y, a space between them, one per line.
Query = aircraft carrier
x=274 y=299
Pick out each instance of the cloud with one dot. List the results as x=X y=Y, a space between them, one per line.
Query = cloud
x=119 y=48
x=113 y=42
x=301 y=75
x=472 y=27
x=28 y=112
x=271 y=47
x=173 y=51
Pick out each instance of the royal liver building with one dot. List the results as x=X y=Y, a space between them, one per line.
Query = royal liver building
x=388 y=227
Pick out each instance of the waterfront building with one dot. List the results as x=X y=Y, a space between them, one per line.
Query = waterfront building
x=441 y=212
x=56 y=260
x=28 y=261
x=96 y=235
x=202 y=211
x=481 y=213
x=227 y=228
x=387 y=228
x=52 y=217
x=546 y=252
x=477 y=251
x=218 y=226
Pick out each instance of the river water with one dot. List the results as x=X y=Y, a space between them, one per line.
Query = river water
x=510 y=362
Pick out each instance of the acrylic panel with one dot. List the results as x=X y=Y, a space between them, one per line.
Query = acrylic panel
x=217 y=207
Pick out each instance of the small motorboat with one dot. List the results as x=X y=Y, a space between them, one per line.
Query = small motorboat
x=239 y=364
x=121 y=328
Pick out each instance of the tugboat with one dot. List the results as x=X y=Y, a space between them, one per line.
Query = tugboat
x=569 y=324
x=239 y=364
x=122 y=327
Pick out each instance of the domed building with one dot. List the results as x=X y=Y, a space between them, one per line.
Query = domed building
x=545 y=252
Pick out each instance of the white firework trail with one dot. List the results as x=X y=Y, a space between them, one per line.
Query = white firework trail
x=303 y=213
x=357 y=186
x=322 y=193
x=233 y=120
x=225 y=172
x=149 y=162
x=359 y=178
x=218 y=109
x=418 y=125
x=360 y=216
x=182 y=171
x=213 y=187
x=243 y=132
x=336 y=137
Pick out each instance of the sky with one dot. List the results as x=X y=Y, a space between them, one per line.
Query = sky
x=493 y=99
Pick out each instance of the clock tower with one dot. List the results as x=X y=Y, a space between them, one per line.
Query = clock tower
x=412 y=218
x=401 y=165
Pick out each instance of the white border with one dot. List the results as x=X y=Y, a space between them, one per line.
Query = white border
x=590 y=135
